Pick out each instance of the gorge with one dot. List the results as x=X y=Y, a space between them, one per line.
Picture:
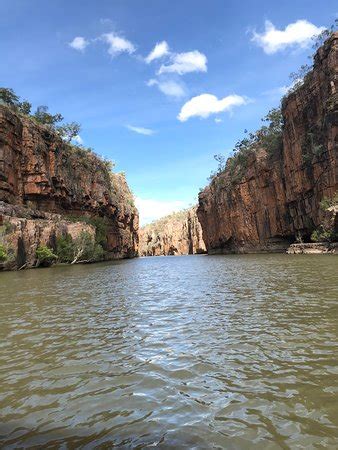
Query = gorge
x=170 y=172
x=269 y=195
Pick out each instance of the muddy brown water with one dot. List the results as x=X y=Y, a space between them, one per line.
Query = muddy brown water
x=196 y=352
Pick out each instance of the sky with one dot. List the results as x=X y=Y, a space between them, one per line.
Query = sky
x=158 y=86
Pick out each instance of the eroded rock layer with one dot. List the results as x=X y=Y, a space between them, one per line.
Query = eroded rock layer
x=45 y=181
x=278 y=198
x=177 y=234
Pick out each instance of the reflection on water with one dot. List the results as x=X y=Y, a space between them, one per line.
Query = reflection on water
x=171 y=352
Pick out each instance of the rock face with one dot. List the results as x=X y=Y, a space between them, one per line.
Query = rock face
x=278 y=197
x=177 y=234
x=43 y=180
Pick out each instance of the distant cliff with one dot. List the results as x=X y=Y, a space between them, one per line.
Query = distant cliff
x=177 y=234
x=47 y=186
x=270 y=199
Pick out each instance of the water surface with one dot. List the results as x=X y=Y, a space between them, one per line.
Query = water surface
x=197 y=352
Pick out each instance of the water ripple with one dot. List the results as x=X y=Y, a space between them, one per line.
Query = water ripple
x=186 y=352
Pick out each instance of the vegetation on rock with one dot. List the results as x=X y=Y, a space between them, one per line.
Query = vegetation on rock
x=326 y=231
x=268 y=137
x=82 y=249
x=67 y=131
x=3 y=254
x=45 y=256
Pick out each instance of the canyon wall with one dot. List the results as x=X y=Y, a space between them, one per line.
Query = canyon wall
x=44 y=182
x=177 y=234
x=278 y=197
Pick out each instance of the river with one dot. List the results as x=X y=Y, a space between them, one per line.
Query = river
x=195 y=352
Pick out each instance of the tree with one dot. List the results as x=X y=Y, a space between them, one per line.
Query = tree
x=86 y=249
x=319 y=39
x=69 y=131
x=298 y=76
x=9 y=97
x=25 y=107
x=42 y=115
x=45 y=256
x=221 y=159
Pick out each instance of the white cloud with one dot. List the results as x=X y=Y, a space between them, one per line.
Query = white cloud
x=79 y=43
x=117 y=44
x=140 y=130
x=169 y=87
x=298 y=33
x=218 y=120
x=150 y=209
x=161 y=49
x=181 y=63
x=206 y=104
x=78 y=139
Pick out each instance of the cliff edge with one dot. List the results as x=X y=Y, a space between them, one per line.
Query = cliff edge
x=270 y=200
x=47 y=186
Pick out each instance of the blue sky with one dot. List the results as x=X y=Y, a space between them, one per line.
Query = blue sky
x=160 y=116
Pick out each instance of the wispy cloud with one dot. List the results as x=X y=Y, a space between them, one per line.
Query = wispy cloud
x=295 y=34
x=182 y=63
x=206 y=104
x=79 y=43
x=170 y=88
x=150 y=209
x=140 y=130
x=117 y=44
x=160 y=50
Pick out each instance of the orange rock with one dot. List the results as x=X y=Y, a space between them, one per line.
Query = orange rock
x=177 y=234
x=278 y=198
x=41 y=172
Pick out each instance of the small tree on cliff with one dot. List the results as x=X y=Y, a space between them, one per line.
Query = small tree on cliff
x=69 y=131
x=25 y=107
x=42 y=115
x=319 y=39
x=8 y=96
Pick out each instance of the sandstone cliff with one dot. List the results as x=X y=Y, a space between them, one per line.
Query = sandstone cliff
x=277 y=198
x=177 y=234
x=44 y=181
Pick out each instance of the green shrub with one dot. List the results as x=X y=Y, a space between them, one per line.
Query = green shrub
x=65 y=248
x=326 y=202
x=86 y=249
x=323 y=235
x=3 y=253
x=268 y=137
x=45 y=256
x=99 y=223
x=83 y=248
